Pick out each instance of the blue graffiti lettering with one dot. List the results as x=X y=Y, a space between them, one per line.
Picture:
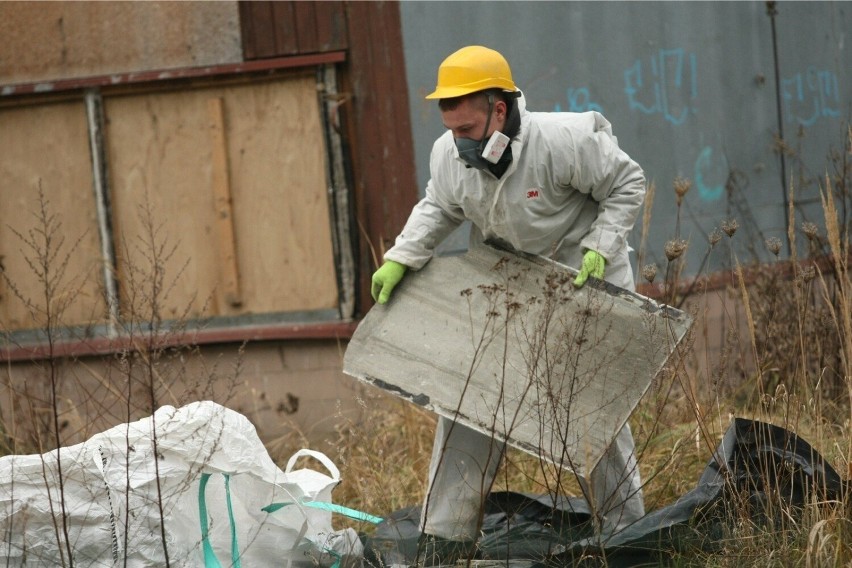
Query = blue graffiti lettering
x=704 y=165
x=810 y=95
x=579 y=100
x=633 y=85
x=671 y=81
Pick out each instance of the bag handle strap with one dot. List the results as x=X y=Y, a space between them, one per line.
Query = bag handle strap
x=319 y=456
x=210 y=558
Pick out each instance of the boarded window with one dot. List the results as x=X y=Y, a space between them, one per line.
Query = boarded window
x=163 y=146
x=47 y=146
x=234 y=180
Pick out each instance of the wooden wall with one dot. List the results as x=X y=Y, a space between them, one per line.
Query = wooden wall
x=382 y=150
x=235 y=167
x=275 y=29
x=374 y=105
x=273 y=253
x=46 y=149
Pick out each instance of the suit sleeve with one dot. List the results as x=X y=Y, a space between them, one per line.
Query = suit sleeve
x=613 y=180
x=430 y=222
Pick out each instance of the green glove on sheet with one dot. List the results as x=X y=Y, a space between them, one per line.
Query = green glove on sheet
x=385 y=279
x=593 y=265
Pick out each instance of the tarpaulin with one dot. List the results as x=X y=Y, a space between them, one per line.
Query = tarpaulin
x=759 y=470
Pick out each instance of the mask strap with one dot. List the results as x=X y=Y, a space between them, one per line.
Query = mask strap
x=484 y=140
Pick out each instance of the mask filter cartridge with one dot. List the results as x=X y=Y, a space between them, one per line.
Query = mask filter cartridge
x=495 y=147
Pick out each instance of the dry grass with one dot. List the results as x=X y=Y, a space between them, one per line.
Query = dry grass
x=782 y=354
x=785 y=358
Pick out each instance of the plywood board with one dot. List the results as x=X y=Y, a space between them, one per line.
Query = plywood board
x=505 y=344
x=47 y=146
x=280 y=187
x=161 y=149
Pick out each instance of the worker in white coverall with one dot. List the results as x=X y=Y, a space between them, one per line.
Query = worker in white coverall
x=562 y=188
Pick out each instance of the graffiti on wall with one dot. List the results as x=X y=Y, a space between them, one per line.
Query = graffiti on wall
x=666 y=84
x=710 y=174
x=810 y=95
x=580 y=100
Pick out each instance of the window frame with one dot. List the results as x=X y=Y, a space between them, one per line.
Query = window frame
x=31 y=344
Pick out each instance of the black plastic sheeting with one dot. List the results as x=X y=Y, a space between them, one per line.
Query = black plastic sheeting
x=758 y=470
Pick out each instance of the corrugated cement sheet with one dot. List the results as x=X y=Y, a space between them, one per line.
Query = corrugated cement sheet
x=505 y=344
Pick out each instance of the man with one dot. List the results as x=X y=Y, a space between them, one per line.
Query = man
x=551 y=184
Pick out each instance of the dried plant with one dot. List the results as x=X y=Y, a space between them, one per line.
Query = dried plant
x=54 y=407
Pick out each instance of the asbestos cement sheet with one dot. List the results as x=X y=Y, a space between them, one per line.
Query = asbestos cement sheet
x=504 y=344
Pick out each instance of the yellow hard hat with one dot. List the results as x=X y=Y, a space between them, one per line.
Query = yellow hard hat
x=470 y=69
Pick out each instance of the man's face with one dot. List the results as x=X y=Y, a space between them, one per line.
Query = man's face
x=468 y=119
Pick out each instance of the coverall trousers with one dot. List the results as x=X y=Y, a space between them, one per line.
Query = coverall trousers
x=464 y=465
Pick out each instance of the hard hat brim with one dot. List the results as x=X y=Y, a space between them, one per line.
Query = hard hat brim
x=453 y=92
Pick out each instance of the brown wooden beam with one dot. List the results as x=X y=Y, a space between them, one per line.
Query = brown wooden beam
x=721 y=279
x=385 y=184
x=105 y=345
x=171 y=74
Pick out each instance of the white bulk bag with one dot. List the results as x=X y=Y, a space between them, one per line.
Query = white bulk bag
x=204 y=496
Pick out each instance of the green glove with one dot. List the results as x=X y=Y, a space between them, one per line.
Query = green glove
x=593 y=265
x=385 y=279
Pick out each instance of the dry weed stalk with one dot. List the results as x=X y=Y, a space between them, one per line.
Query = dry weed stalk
x=48 y=259
x=143 y=371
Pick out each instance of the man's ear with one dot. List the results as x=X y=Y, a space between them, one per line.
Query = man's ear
x=500 y=109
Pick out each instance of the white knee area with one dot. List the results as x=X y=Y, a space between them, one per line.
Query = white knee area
x=464 y=464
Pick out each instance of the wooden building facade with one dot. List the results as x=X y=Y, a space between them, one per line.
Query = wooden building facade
x=282 y=169
x=240 y=164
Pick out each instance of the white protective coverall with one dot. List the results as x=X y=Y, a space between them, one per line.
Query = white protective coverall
x=569 y=188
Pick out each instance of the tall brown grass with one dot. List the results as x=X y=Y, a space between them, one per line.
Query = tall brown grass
x=772 y=342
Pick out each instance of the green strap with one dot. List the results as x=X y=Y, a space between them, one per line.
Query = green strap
x=337 y=557
x=351 y=513
x=346 y=511
x=235 y=549
x=210 y=558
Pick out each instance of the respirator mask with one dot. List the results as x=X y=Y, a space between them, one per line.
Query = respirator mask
x=481 y=154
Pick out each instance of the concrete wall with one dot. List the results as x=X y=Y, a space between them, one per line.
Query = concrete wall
x=690 y=88
x=292 y=389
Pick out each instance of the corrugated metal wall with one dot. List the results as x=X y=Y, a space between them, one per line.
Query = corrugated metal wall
x=690 y=88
